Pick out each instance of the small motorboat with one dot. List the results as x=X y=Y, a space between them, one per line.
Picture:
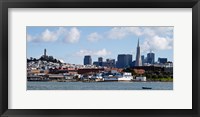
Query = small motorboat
x=146 y=88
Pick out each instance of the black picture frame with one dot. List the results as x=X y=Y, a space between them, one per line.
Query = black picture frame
x=6 y=4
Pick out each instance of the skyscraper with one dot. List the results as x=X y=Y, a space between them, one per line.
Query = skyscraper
x=124 y=60
x=138 y=61
x=142 y=58
x=87 y=60
x=100 y=60
x=162 y=60
x=151 y=58
x=110 y=63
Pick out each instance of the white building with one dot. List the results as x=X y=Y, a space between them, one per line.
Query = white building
x=141 y=78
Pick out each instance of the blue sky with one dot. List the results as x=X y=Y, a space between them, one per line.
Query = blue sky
x=70 y=44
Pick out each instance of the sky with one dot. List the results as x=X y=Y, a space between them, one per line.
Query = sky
x=70 y=44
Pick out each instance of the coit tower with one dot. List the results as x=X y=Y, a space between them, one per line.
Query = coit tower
x=138 y=61
x=45 y=52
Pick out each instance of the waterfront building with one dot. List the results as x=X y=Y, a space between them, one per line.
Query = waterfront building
x=138 y=61
x=87 y=60
x=124 y=60
x=141 y=78
x=90 y=70
x=162 y=60
x=151 y=58
x=168 y=69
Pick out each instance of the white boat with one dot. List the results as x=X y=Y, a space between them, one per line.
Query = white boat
x=125 y=77
x=97 y=76
x=110 y=78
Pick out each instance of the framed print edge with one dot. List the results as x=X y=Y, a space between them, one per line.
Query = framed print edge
x=4 y=5
x=3 y=62
x=195 y=56
x=1 y=88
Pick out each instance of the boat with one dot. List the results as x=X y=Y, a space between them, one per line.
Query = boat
x=118 y=77
x=98 y=77
x=146 y=88
x=126 y=77
x=37 y=78
x=110 y=78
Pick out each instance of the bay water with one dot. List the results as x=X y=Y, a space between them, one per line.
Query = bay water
x=98 y=85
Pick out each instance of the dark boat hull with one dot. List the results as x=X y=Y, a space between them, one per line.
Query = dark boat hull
x=146 y=88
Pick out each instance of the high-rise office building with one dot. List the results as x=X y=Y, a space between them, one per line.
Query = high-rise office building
x=151 y=58
x=107 y=63
x=100 y=61
x=133 y=64
x=162 y=60
x=138 y=61
x=96 y=63
x=124 y=60
x=87 y=60
x=110 y=63
x=143 y=60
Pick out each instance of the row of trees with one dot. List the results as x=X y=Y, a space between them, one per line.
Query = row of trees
x=151 y=74
x=46 y=58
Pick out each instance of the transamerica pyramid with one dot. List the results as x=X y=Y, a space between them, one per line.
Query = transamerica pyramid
x=138 y=61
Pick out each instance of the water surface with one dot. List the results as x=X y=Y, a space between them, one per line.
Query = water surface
x=98 y=85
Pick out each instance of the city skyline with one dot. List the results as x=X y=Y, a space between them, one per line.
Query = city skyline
x=71 y=44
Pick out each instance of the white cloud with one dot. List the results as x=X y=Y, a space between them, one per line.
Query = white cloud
x=102 y=52
x=134 y=30
x=117 y=33
x=164 y=31
x=158 y=31
x=122 y=32
x=84 y=52
x=156 y=38
x=93 y=37
x=157 y=43
x=47 y=35
x=72 y=36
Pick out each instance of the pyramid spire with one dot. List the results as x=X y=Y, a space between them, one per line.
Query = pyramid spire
x=138 y=61
x=138 y=45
